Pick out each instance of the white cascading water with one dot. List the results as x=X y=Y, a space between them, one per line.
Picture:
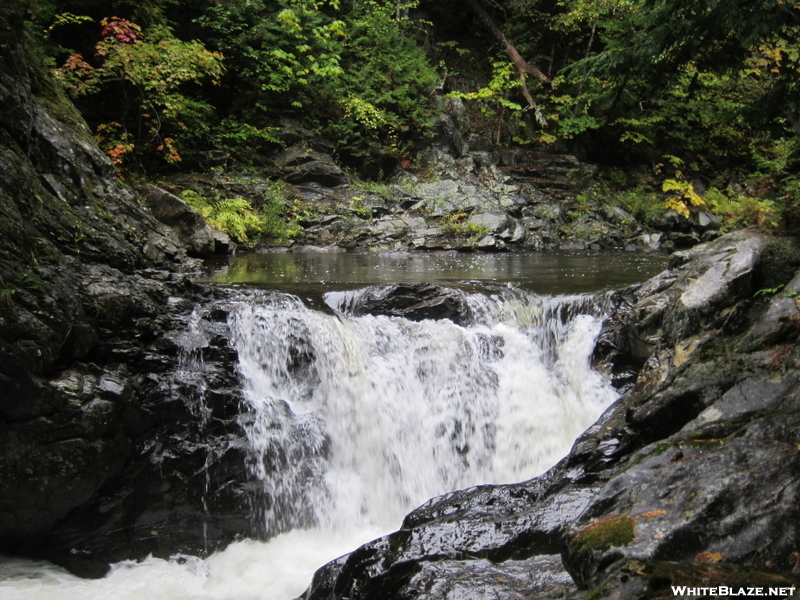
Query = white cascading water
x=357 y=420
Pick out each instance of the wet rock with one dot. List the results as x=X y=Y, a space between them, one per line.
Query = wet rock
x=699 y=491
x=671 y=221
x=540 y=576
x=442 y=538
x=106 y=453
x=414 y=301
x=162 y=246
x=223 y=244
x=683 y=239
x=448 y=196
x=189 y=225
x=706 y=221
x=637 y=580
x=487 y=242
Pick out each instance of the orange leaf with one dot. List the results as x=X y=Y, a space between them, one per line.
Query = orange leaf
x=707 y=557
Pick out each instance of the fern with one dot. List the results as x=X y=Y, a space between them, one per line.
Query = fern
x=236 y=217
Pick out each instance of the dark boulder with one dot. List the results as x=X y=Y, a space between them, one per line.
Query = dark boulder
x=115 y=442
x=413 y=301
x=189 y=225
x=302 y=165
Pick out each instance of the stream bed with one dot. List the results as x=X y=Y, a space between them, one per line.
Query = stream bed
x=359 y=419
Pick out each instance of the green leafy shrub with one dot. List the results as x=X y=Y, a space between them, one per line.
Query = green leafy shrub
x=153 y=69
x=234 y=216
x=641 y=203
x=383 y=93
x=348 y=71
x=740 y=210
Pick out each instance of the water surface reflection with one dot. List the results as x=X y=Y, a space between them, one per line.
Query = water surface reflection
x=543 y=273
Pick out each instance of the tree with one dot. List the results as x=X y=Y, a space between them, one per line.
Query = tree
x=523 y=67
x=348 y=72
x=152 y=68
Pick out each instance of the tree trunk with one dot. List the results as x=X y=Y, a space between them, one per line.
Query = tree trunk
x=524 y=68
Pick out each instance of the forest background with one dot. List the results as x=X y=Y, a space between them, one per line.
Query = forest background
x=682 y=97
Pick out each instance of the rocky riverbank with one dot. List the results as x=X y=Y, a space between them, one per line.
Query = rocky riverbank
x=455 y=198
x=106 y=448
x=691 y=478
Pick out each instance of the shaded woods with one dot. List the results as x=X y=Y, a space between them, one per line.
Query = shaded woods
x=690 y=91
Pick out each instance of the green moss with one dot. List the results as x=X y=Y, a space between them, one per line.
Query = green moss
x=597 y=593
x=777 y=264
x=657 y=451
x=604 y=533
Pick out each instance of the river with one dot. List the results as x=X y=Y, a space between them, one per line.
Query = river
x=360 y=419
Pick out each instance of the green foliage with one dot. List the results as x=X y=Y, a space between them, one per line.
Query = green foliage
x=234 y=216
x=67 y=18
x=714 y=83
x=246 y=224
x=683 y=196
x=381 y=190
x=495 y=96
x=357 y=206
x=274 y=213
x=641 y=203
x=154 y=67
x=353 y=75
x=383 y=93
x=6 y=292
x=708 y=81
x=282 y=48
x=768 y=291
x=11 y=9
x=239 y=139
x=456 y=225
x=741 y=210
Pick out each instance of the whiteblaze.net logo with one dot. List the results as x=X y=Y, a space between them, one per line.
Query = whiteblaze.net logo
x=725 y=591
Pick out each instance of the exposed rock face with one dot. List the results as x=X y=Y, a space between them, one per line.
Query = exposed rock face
x=108 y=448
x=154 y=459
x=471 y=204
x=188 y=224
x=304 y=165
x=697 y=462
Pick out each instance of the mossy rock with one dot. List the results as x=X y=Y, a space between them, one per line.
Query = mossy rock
x=603 y=534
x=590 y=548
x=778 y=263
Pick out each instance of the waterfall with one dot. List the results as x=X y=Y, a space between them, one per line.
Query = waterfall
x=360 y=419
x=355 y=420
